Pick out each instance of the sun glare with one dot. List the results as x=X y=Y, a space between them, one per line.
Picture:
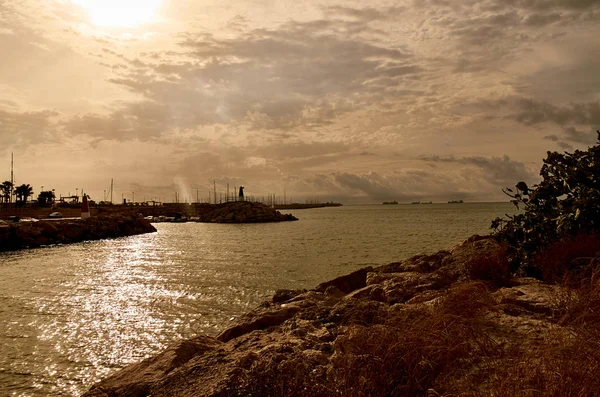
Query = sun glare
x=120 y=13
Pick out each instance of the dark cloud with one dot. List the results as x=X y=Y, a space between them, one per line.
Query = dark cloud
x=501 y=171
x=300 y=75
x=531 y=111
x=542 y=19
x=542 y=5
x=553 y=138
x=142 y=121
x=372 y=184
x=367 y=14
x=18 y=128
x=572 y=135
x=406 y=185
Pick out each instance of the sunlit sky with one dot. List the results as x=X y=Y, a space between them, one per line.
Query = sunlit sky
x=354 y=101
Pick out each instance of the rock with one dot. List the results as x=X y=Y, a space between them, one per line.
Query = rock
x=370 y=292
x=478 y=258
x=243 y=212
x=138 y=379
x=401 y=287
x=283 y=295
x=266 y=320
x=334 y=291
x=47 y=228
x=37 y=234
x=362 y=327
x=417 y=263
x=531 y=296
x=348 y=283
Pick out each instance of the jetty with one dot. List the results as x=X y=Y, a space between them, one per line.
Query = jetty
x=34 y=233
x=302 y=206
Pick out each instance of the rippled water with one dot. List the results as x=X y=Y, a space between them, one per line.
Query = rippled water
x=71 y=315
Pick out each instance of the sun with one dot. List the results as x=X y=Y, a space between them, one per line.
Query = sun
x=120 y=13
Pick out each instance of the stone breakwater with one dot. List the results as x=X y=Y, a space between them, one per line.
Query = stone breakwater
x=14 y=236
x=444 y=322
x=243 y=212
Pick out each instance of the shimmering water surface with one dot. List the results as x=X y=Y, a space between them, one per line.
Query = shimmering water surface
x=70 y=315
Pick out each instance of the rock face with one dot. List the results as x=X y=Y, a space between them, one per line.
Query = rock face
x=14 y=236
x=244 y=212
x=447 y=323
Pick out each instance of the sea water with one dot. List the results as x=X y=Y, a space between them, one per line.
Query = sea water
x=72 y=315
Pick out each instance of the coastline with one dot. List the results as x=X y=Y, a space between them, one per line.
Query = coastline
x=320 y=335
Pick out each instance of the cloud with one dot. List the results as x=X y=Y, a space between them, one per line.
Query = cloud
x=316 y=101
x=535 y=112
x=24 y=128
x=499 y=171
x=541 y=5
x=572 y=135
x=295 y=76
x=366 y=14
x=144 y=120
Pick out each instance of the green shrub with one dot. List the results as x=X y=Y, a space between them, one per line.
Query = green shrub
x=565 y=203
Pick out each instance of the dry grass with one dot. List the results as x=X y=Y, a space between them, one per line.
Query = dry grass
x=494 y=267
x=403 y=354
x=416 y=348
x=568 y=363
x=446 y=346
x=555 y=261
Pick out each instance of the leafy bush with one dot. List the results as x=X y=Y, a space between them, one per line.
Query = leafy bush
x=565 y=203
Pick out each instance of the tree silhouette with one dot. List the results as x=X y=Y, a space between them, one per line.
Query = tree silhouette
x=5 y=189
x=46 y=197
x=23 y=192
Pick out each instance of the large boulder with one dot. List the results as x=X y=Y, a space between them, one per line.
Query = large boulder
x=138 y=379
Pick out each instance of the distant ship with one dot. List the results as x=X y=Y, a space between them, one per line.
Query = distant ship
x=455 y=202
x=416 y=202
x=390 y=202
x=424 y=202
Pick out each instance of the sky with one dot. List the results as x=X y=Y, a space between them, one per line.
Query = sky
x=351 y=101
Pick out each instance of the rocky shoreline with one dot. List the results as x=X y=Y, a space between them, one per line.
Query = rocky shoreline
x=452 y=322
x=20 y=235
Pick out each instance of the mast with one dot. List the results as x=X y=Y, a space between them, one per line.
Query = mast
x=111 y=190
x=12 y=176
x=215 y=191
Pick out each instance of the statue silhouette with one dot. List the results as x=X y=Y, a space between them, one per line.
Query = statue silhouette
x=241 y=195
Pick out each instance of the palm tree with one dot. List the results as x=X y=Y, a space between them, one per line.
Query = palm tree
x=23 y=192
x=5 y=191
